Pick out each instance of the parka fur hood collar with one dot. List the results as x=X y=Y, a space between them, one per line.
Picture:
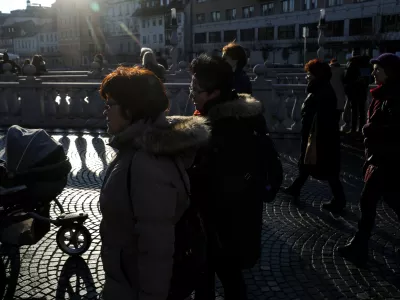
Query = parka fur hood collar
x=173 y=135
x=244 y=106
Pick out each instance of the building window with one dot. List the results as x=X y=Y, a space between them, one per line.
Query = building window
x=161 y=38
x=160 y=22
x=121 y=47
x=266 y=34
x=230 y=35
x=248 y=12
x=287 y=6
x=335 y=2
x=129 y=46
x=200 y=1
x=200 y=38
x=334 y=28
x=361 y=26
x=154 y=38
x=267 y=9
x=89 y=31
x=143 y=23
x=312 y=30
x=154 y=22
x=41 y=38
x=247 y=35
x=144 y=39
x=230 y=14
x=214 y=37
x=310 y=4
x=215 y=16
x=179 y=18
x=200 y=18
x=286 y=32
x=390 y=23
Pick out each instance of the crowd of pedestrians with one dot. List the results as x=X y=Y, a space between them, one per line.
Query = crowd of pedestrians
x=222 y=165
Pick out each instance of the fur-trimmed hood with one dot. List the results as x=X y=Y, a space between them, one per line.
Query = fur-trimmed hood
x=244 y=106
x=166 y=136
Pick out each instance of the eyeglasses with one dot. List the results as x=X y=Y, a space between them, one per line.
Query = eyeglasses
x=193 y=92
x=109 y=105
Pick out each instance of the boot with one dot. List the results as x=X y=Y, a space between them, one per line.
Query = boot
x=356 y=250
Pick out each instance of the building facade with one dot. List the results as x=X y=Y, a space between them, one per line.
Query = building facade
x=80 y=36
x=121 y=31
x=156 y=28
x=275 y=27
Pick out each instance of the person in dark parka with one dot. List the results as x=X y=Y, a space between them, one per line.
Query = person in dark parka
x=218 y=181
x=382 y=149
x=236 y=56
x=319 y=115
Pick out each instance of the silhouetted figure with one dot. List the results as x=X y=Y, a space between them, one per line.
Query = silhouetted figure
x=382 y=151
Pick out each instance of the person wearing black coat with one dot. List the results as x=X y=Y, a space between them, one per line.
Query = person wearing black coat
x=382 y=151
x=232 y=214
x=320 y=118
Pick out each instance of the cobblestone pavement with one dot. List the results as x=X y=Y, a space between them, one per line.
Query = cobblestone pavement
x=298 y=261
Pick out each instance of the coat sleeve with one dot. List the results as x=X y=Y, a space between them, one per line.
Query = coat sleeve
x=154 y=201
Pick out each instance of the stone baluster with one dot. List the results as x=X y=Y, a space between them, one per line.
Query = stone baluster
x=346 y=117
x=76 y=97
x=300 y=95
x=50 y=105
x=281 y=112
x=63 y=102
x=14 y=103
x=93 y=108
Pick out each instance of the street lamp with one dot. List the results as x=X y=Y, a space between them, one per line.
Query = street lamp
x=321 y=38
x=174 y=40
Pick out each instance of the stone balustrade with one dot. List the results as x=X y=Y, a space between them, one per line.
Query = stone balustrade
x=34 y=102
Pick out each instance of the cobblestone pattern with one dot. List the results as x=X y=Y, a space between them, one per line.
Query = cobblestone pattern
x=298 y=261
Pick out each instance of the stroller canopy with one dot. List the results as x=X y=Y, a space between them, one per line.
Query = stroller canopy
x=24 y=148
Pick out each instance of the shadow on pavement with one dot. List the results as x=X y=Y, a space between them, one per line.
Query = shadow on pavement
x=10 y=263
x=76 y=281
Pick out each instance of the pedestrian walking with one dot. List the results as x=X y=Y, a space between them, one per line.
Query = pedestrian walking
x=320 y=139
x=382 y=149
x=145 y=189
x=226 y=175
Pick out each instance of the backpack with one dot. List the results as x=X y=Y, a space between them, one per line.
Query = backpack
x=190 y=248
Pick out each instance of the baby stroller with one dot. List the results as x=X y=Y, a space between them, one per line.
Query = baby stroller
x=33 y=172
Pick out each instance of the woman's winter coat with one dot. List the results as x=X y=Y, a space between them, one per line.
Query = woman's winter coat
x=142 y=198
x=337 y=82
x=217 y=180
x=382 y=131
x=319 y=116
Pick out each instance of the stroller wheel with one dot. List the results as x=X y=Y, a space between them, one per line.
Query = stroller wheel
x=73 y=239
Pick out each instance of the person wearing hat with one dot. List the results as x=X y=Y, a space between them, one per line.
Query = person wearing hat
x=382 y=149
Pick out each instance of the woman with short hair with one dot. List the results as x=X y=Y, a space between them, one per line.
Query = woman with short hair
x=320 y=126
x=144 y=189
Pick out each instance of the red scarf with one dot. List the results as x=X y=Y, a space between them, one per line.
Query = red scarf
x=197 y=113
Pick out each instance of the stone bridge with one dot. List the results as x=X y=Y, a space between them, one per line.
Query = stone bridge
x=298 y=261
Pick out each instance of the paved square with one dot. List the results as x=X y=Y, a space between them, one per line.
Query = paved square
x=298 y=261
